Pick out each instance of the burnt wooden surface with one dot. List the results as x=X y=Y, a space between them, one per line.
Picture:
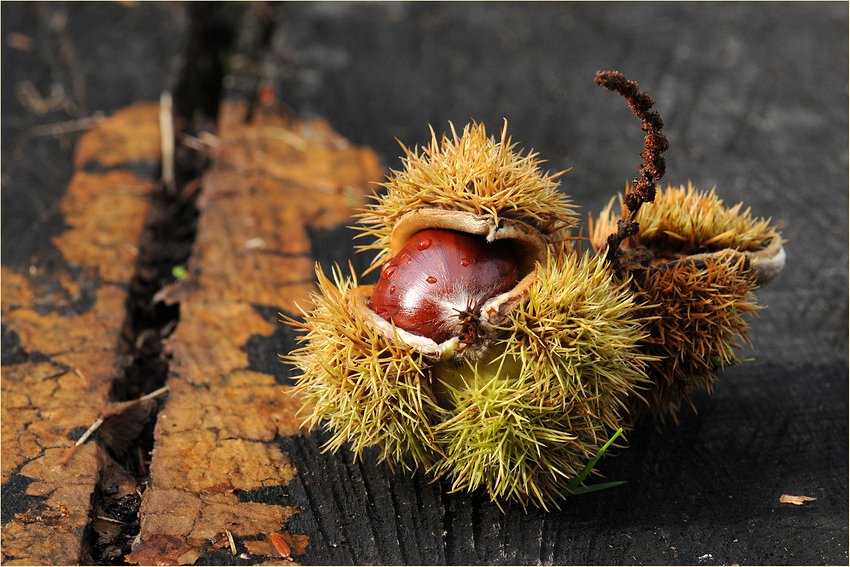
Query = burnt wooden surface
x=754 y=99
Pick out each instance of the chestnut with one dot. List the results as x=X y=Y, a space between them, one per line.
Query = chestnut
x=495 y=354
x=455 y=317
x=693 y=265
x=489 y=351
x=434 y=286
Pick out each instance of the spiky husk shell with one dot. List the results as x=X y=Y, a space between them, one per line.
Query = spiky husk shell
x=693 y=266
x=369 y=391
x=683 y=220
x=525 y=424
x=521 y=423
x=694 y=312
x=473 y=173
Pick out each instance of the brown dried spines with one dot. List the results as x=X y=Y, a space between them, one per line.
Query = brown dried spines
x=695 y=310
x=693 y=265
x=685 y=221
x=654 y=164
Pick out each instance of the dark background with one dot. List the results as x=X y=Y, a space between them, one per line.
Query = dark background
x=754 y=97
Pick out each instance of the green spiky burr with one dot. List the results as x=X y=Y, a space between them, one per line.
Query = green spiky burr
x=526 y=420
x=368 y=391
x=534 y=380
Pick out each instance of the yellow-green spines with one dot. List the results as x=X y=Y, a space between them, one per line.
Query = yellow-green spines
x=577 y=328
x=515 y=445
x=472 y=173
x=521 y=421
x=572 y=357
x=369 y=390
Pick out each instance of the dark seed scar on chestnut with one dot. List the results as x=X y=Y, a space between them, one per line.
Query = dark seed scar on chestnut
x=438 y=278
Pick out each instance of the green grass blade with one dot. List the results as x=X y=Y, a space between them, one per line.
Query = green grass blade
x=596 y=487
x=574 y=487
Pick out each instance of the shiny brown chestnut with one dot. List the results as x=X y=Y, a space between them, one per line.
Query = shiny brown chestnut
x=436 y=283
x=506 y=253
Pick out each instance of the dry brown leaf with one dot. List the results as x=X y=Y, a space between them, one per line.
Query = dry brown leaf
x=123 y=423
x=796 y=500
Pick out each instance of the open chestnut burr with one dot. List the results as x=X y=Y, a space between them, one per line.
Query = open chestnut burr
x=693 y=264
x=494 y=353
x=511 y=370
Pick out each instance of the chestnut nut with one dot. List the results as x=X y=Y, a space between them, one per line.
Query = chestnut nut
x=436 y=284
x=491 y=350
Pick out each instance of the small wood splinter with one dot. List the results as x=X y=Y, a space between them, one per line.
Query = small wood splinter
x=99 y=421
x=796 y=500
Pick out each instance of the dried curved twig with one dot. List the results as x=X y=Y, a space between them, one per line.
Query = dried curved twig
x=653 y=165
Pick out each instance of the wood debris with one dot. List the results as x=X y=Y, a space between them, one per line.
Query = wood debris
x=796 y=500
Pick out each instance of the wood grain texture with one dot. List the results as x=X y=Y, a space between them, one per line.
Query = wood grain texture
x=70 y=239
x=754 y=99
x=217 y=451
x=754 y=104
x=67 y=321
